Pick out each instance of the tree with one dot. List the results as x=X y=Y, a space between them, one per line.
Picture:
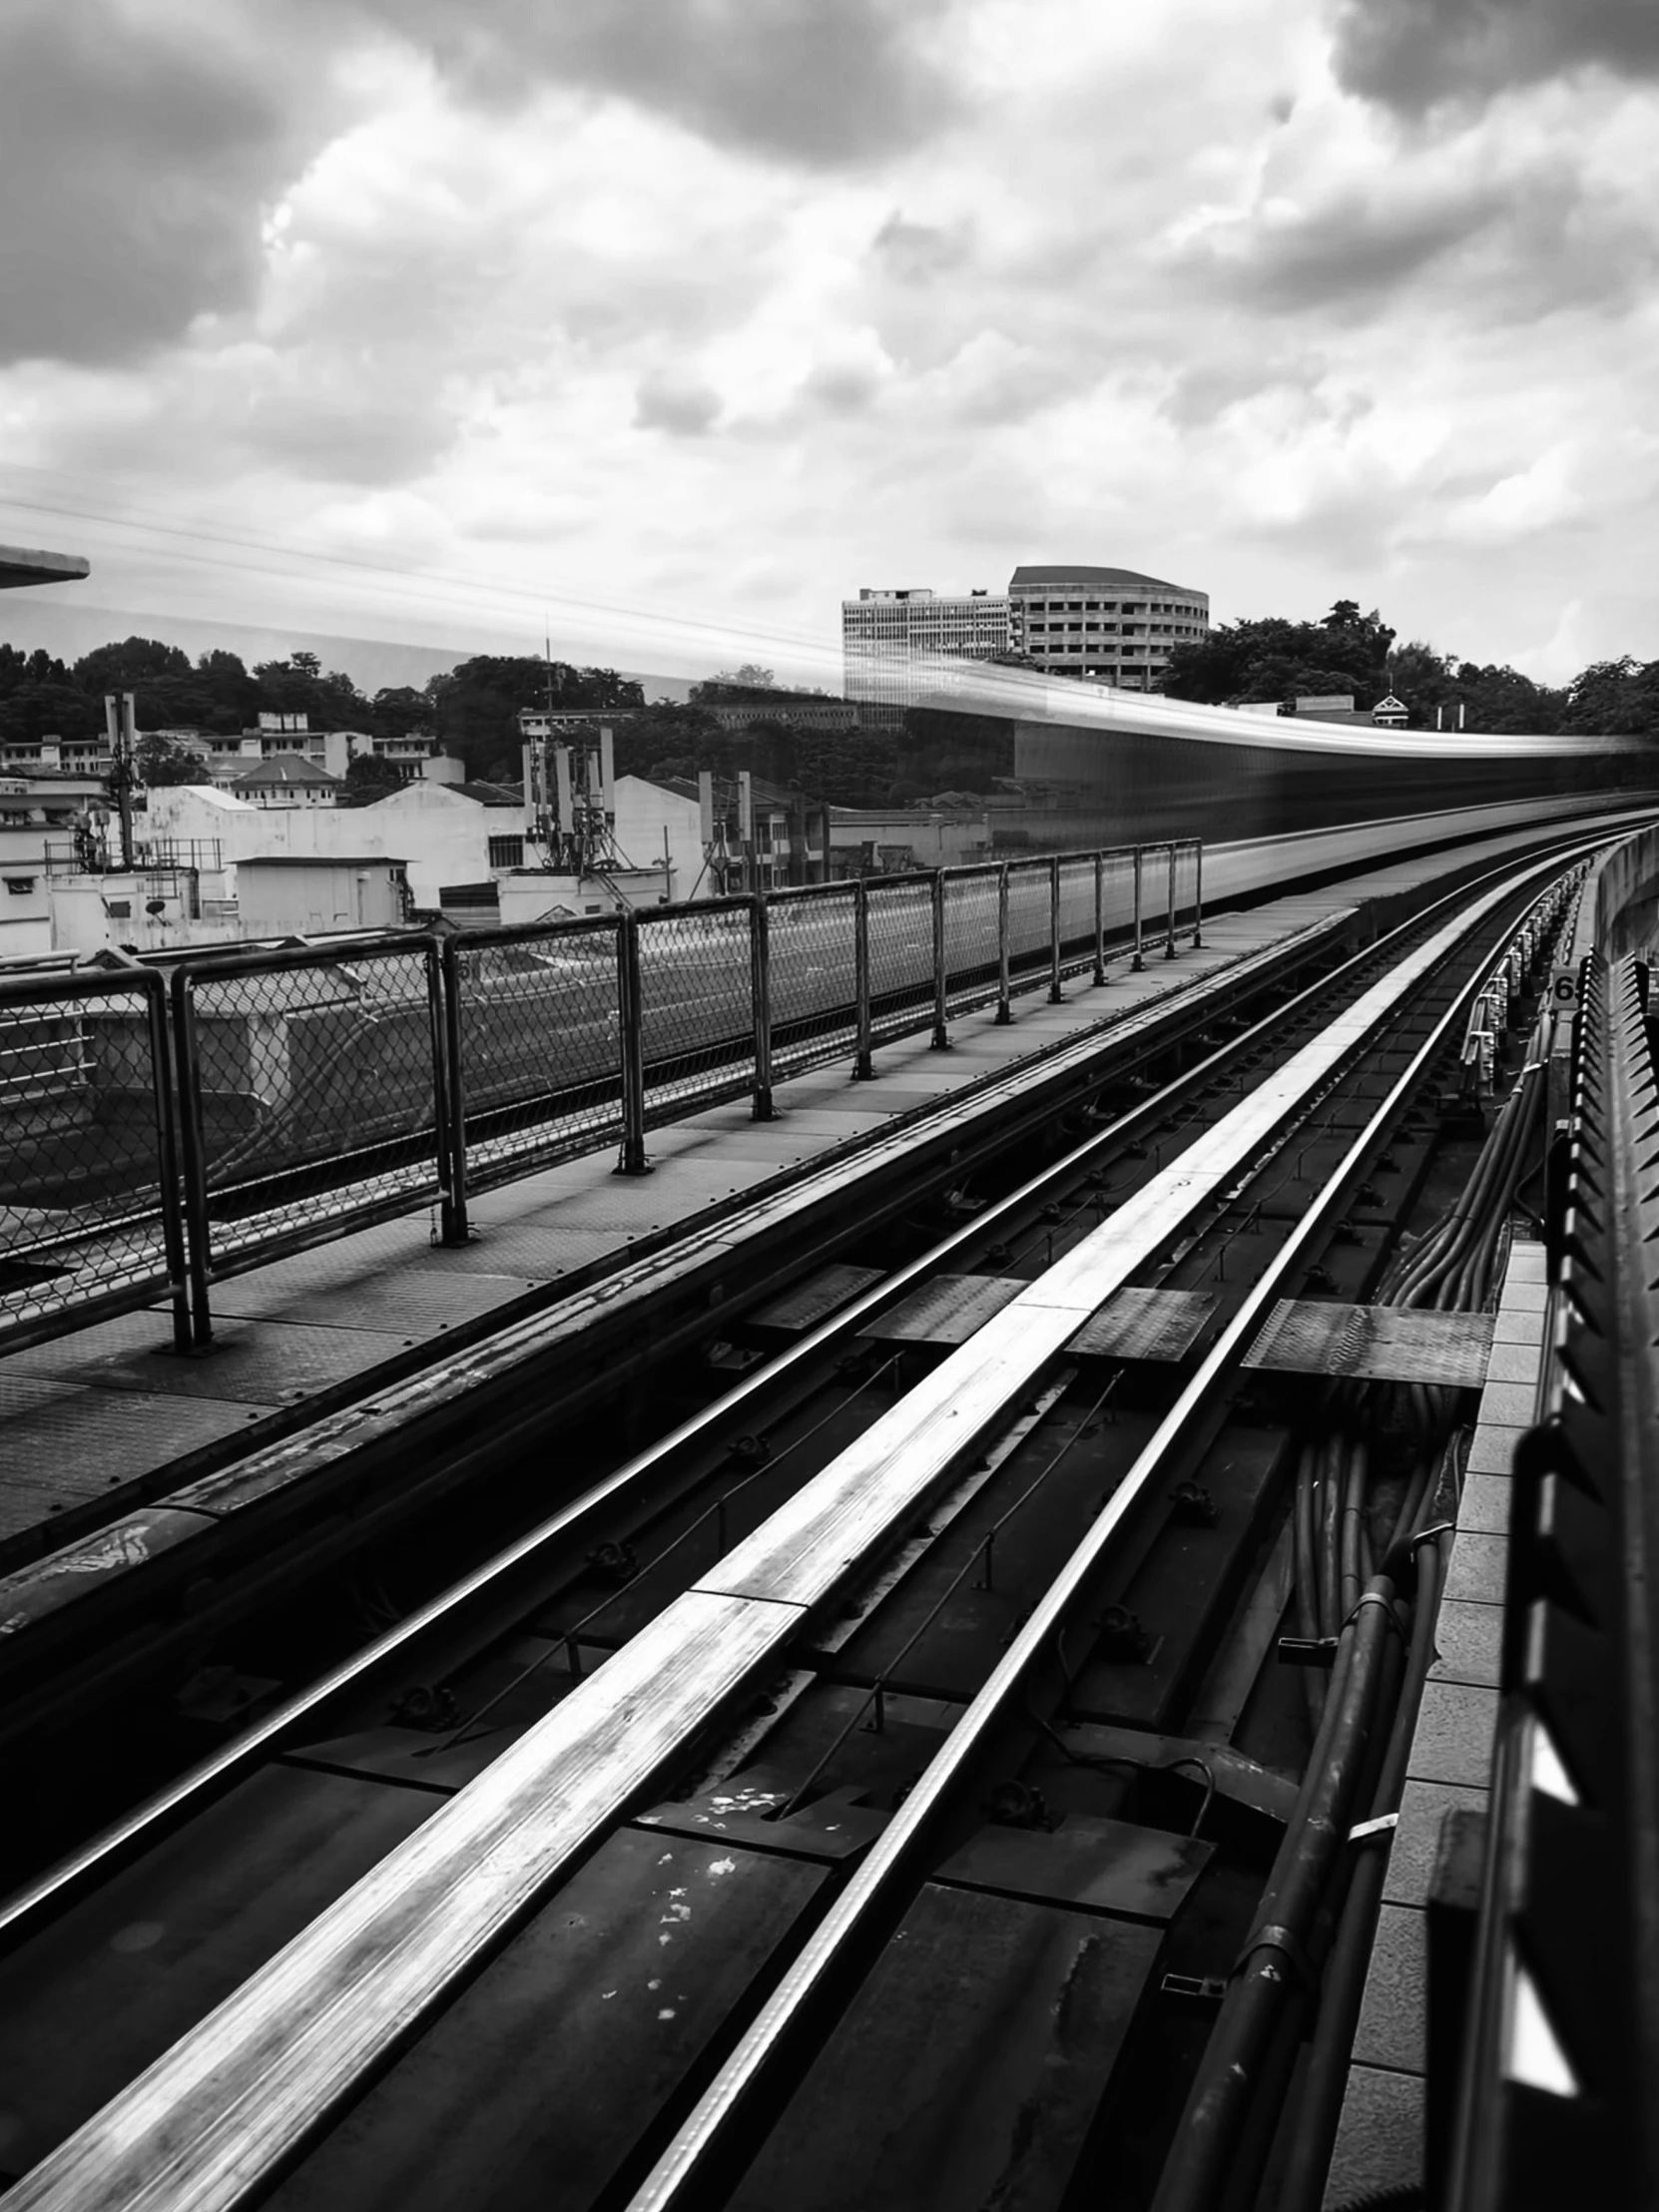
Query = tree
x=129 y=666
x=1247 y=662
x=46 y=708
x=232 y=695
x=161 y=761
x=1614 y=699
x=368 y=776
x=728 y=686
x=401 y=711
x=475 y=706
x=297 y=686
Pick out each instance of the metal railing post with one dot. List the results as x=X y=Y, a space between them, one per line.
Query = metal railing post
x=193 y=1160
x=1169 y=918
x=759 y=988
x=1139 y=961
x=1055 y=994
x=1004 y=1011
x=167 y=1158
x=941 y=1032
x=444 y=977
x=1099 y=918
x=1198 y=894
x=864 y=1070
x=631 y=1037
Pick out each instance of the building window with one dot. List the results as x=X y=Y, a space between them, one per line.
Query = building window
x=507 y=852
x=20 y=886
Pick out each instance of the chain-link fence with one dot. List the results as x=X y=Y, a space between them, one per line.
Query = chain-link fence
x=311 y=1092
x=697 y=1004
x=815 y=975
x=89 y=1210
x=1028 y=918
x=1117 y=897
x=972 y=900
x=900 y=953
x=1189 y=864
x=317 y=1088
x=535 y=1028
x=1076 y=911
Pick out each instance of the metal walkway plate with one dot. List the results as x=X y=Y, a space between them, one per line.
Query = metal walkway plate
x=948 y=1310
x=822 y=1295
x=1147 y=1325
x=1379 y=1344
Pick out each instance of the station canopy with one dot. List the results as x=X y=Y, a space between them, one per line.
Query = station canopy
x=20 y=565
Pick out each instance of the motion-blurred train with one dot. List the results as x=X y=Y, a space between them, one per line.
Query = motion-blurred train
x=1116 y=766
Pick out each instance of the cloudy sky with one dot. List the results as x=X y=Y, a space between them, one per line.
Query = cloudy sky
x=683 y=318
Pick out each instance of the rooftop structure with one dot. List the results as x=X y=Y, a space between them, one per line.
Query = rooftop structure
x=287 y=779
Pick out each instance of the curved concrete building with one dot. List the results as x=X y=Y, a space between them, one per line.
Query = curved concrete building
x=1113 y=624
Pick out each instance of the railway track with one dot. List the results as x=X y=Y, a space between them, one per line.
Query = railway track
x=876 y=1790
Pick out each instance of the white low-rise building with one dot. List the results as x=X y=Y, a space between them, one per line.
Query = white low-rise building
x=442 y=834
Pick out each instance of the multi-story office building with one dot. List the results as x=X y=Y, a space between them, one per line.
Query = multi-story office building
x=892 y=640
x=1109 y=623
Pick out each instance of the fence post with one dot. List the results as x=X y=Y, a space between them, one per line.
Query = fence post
x=1004 y=1011
x=1099 y=918
x=941 y=1032
x=167 y=1157
x=444 y=976
x=631 y=1038
x=1055 y=994
x=1169 y=919
x=1139 y=961
x=864 y=1068
x=1198 y=893
x=760 y=988
x=192 y=1159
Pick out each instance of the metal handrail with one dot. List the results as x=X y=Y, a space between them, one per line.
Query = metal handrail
x=368 y=1181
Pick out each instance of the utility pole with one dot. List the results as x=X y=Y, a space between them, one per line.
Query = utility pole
x=119 y=721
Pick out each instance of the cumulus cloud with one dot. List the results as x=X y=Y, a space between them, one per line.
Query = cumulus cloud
x=918 y=252
x=1414 y=55
x=801 y=81
x=825 y=294
x=1352 y=248
x=678 y=404
x=1523 y=237
x=136 y=150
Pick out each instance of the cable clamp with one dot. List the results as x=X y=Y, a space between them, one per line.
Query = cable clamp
x=1285 y=1941
x=1376 y=1597
x=1433 y=1535
x=1384 y=1824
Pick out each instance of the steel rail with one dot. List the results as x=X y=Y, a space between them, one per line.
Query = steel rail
x=116 y=1844
x=23 y=1909
x=209 y=2121
x=865 y=1902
